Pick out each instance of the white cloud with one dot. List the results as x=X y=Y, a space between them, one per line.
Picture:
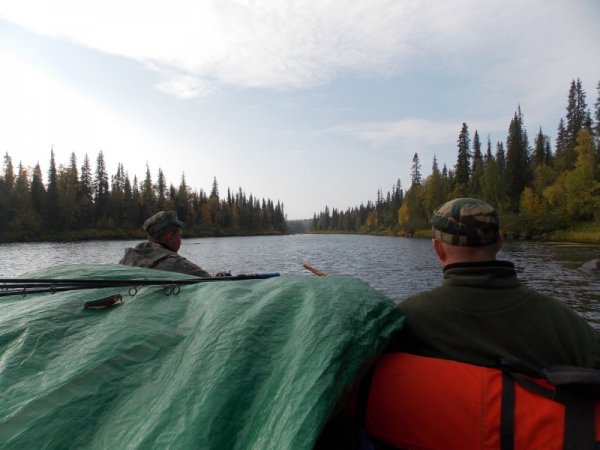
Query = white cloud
x=294 y=44
x=414 y=133
x=185 y=86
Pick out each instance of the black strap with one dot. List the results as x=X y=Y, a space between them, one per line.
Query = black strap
x=579 y=424
x=532 y=386
x=507 y=412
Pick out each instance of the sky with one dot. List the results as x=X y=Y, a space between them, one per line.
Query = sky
x=311 y=103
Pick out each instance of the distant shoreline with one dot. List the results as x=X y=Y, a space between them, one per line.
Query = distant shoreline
x=589 y=237
x=100 y=235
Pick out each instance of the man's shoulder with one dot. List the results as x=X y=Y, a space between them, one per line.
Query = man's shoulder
x=152 y=246
x=421 y=300
x=177 y=263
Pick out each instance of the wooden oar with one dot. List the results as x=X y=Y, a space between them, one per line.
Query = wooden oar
x=314 y=270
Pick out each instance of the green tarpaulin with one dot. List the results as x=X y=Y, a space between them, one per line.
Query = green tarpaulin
x=250 y=364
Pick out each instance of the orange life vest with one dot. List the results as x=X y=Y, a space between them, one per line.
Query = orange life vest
x=415 y=402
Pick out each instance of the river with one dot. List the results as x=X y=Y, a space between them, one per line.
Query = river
x=398 y=267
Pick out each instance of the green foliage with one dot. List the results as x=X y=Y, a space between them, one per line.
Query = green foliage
x=535 y=191
x=73 y=206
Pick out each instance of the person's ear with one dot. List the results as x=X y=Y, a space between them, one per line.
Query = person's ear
x=439 y=250
x=500 y=242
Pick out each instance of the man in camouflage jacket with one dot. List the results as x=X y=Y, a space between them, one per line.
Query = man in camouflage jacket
x=160 y=251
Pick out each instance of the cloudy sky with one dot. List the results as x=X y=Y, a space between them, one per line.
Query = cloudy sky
x=312 y=103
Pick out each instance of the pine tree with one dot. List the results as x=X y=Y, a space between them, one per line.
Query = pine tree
x=24 y=217
x=101 y=190
x=9 y=174
x=182 y=202
x=130 y=213
x=541 y=152
x=51 y=209
x=477 y=167
x=517 y=161
x=214 y=192
x=116 y=204
x=148 y=195
x=488 y=153
x=214 y=206
x=86 y=183
x=86 y=195
x=596 y=127
x=161 y=189
x=22 y=190
x=560 y=155
x=462 y=169
x=578 y=117
x=68 y=198
x=490 y=177
x=7 y=200
x=38 y=191
x=416 y=171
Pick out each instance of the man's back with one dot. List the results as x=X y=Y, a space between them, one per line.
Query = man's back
x=155 y=256
x=482 y=314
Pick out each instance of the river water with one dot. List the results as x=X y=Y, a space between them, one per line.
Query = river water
x=398 y=267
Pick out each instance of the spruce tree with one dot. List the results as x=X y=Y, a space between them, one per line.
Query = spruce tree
x=86 y=195
x=517 y=161
x=578 y=117
x=51 y=209
x=68 y=189
x=477 y=167
x=541 y=152
x=462 y=169
x=148 y=195
x=161 y=189
x=101 y=189
x=182 y=201
x=38 y=191
x=416 y=171
x=8 y=179
x=596 y=127
x=7 y=200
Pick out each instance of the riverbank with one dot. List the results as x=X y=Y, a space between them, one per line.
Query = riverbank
x=9 y=237
x=589 y=233
x=590 y=236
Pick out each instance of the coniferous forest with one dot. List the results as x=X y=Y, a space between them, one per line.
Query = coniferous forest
x=79 y=203
x=537 y=188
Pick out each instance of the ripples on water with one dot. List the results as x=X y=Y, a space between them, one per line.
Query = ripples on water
x=398 y=267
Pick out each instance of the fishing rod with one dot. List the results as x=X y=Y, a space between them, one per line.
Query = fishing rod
x=25 y=286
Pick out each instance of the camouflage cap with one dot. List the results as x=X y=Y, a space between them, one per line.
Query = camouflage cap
x=467 y=222
x=161 y=221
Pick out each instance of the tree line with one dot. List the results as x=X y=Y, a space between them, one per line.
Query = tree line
x=76 y=202
x=536 y=188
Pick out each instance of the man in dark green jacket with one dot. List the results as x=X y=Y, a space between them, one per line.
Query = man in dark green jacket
x=481 y=313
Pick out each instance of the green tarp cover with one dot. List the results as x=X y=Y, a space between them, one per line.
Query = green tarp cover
x=250 y=364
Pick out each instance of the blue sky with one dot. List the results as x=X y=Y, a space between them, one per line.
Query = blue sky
x=312 y=103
